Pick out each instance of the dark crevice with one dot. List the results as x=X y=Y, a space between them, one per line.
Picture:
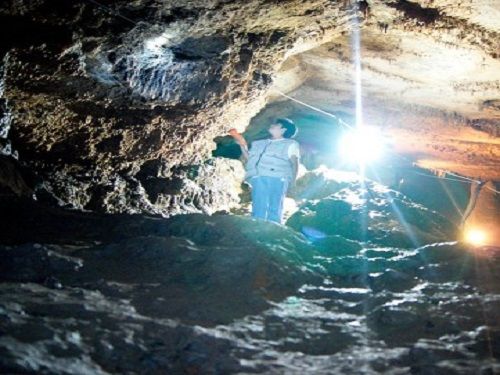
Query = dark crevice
x=23 y=32
x=416 y=11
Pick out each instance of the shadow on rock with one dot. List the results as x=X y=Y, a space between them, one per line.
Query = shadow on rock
x=203 y=270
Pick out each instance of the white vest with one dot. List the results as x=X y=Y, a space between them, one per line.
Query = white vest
x=270 y=158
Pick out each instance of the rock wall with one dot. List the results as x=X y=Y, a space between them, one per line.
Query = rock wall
x=108 y=100
x=115 y=105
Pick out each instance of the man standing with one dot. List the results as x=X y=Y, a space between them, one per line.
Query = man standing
x=271 y=168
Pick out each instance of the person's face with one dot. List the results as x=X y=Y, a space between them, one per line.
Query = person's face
x=276 y=130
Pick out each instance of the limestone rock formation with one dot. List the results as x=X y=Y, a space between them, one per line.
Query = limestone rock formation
x=101 y=95
x=118 y=255
x=430 y=80
x=113 y=105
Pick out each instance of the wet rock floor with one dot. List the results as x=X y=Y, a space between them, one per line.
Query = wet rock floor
x=83 y=293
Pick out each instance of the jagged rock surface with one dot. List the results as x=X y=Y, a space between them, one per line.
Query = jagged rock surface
x=430 y=81
x=210 y=294
x=114 y=106
x=99 y=99
x=371 y=212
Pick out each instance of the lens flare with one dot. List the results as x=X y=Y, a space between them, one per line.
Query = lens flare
x=475 y=237
x=362 y=145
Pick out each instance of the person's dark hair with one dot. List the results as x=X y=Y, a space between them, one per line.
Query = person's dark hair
x=291 y=129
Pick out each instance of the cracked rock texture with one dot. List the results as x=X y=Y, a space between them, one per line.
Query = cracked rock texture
x=115 y=107
x=113 y=116
x=197 y=294
x=104 y=104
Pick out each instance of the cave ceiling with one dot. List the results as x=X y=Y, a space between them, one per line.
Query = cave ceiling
x=430 y=79
x=103 y=99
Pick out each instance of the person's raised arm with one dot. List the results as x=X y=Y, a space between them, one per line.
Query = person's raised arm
x=238 y=138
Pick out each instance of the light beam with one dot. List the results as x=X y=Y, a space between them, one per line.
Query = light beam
x=475 y=236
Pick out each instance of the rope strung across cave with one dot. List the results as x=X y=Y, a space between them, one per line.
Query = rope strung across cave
x=465 y=179
x=340 y=121
x=113 y=12
x=440 y=178
x=459 y=178
x=475 y=189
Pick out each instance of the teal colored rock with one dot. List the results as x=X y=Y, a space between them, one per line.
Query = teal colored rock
x=373 y=214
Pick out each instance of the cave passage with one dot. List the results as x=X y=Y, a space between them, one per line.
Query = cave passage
x=127 y=244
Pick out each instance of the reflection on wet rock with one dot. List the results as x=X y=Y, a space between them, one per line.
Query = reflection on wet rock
x=370 y=212
x=231 y=294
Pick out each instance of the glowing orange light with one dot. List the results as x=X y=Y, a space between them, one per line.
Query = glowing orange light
x=475 y=237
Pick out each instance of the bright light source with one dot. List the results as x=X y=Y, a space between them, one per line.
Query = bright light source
x=362 y=145
x=155 y=44
x=475 y=237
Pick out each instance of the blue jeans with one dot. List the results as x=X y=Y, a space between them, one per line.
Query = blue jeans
x=268 y=196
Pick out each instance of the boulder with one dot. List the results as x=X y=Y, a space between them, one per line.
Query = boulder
x=373 y=214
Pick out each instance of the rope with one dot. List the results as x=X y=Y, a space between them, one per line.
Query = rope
x=440 y=178
x=471 y=181
x=112 y=11
x=342 y=122
x=465 y=178
x=493 y=190
x=339 y=120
